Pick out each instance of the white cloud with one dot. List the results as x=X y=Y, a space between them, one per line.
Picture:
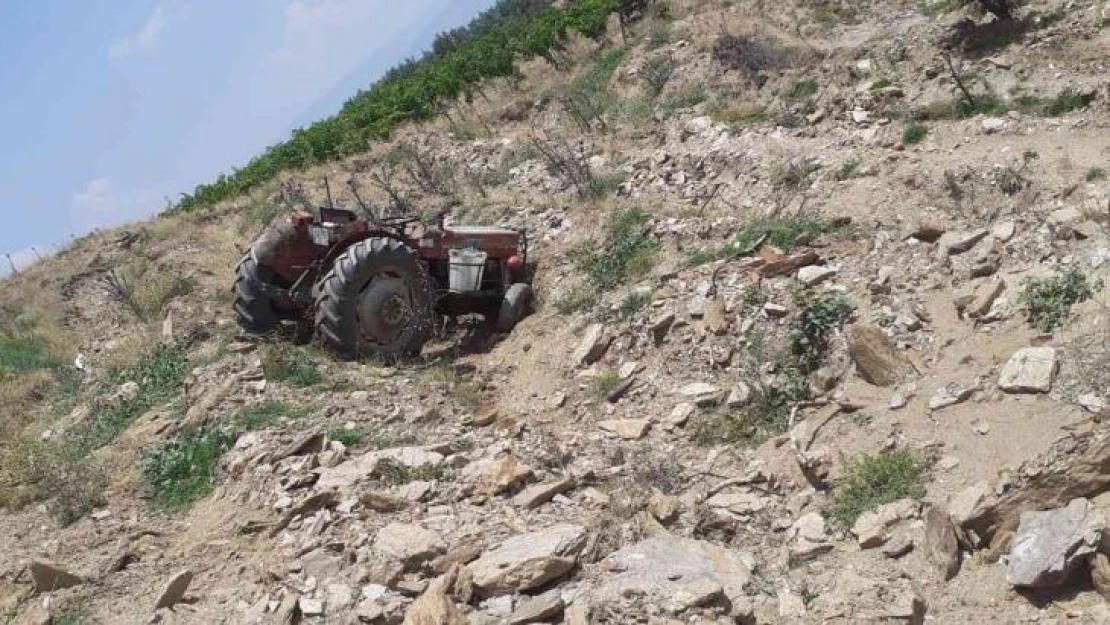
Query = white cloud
x=142 y=40
x=96 y=197
x=100 y=204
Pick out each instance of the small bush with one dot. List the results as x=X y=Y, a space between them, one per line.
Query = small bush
x=914 y=133
x=872 y=481
x=633 y=303
x=659 y=35
x=849 y=170
x=802 y=89
x=626 y=251
x=1066 y=102
x=160 y=377
x=821 y=317
x=750 y=54
x=605 y=384
x=783 y=232
x=793 y=176
x=393 y=473
x=350 y=438
x=766 y=415
x=1009 y=179
x=183 y=471
x=265 y=414
x=685 y=99
x=1095 y=173
x=1048 y=301
x=578 y=299
x=697 y=258
x=657 y=72
x=284 y=363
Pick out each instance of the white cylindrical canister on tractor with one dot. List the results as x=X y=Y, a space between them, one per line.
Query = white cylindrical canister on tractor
x=467 y=267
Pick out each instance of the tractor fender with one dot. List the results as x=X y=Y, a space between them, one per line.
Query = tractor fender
x=337 y=250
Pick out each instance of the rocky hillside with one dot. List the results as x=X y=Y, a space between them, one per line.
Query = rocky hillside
x=822 y=337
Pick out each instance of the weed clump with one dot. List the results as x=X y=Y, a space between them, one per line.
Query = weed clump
x=783 y=232
x=265 y=414
x=633 y=303
x=750 y=54
x=627 y=250
x=1048 y=301
x=872 y=481
x=657 y=72
x=183 y=471
x=820 y=318
x=284 y=363
x=914 y=133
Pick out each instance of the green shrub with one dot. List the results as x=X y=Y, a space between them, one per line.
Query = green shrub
x=914 y=133
x=687 y=98
x=265 y=414
x=1048 y=301
x=633 y=303
x=21 y=355
x=284 y=363
x=183 y=471
x=1095 y=173
x=793 y=176
x=1066 y=102
x=820 y=318
x=350 y=438
x=578 y=299
x=659 y=35
x=160 y=377
x=783 y=232
x=765 y=416
x=802 y=89
x=849 y=170
x=606 y=383
x=393 y=473
x=626 y=250
x=657 y=72
x=872 y=481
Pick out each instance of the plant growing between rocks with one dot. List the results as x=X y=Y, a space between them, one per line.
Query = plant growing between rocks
x=1048 y=301
x=872 y=481
x=627 y=250
x=183 y=471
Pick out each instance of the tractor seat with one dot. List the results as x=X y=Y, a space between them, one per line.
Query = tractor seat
x=478 y=230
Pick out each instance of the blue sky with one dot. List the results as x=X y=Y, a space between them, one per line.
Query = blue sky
x=108 y=108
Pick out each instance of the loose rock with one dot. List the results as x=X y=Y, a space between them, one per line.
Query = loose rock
x=529 y=560
x=174 y=590
x=1050 y=544
x=877 y=359
x=1029 y=370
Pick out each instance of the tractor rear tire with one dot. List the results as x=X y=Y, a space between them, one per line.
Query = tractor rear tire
x=516 y=305
x=376 y=301
x=253 y=308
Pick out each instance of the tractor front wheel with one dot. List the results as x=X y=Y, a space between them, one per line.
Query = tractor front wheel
x=376 y=301
x=253 y=307
x=516 y=305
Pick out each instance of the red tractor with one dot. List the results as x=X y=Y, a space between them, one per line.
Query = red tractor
x=374 y=287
